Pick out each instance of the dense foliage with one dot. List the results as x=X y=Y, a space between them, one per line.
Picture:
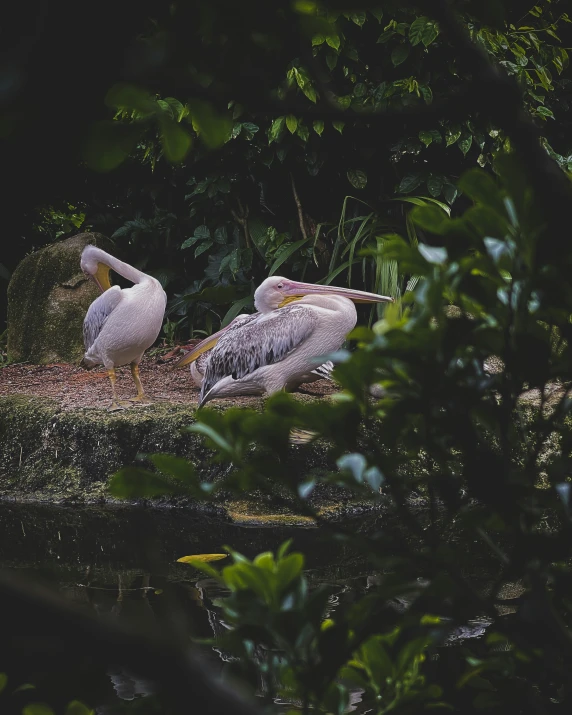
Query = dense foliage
x=277 y=162
x=486 y=451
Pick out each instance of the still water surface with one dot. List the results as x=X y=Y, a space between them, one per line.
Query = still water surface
x=123 y=562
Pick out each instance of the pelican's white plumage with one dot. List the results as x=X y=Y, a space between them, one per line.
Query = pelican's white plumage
x=277 y=347
x=199 y=366
x=121 y=323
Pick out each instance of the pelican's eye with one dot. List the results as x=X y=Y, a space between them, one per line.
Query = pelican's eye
x=280 y=285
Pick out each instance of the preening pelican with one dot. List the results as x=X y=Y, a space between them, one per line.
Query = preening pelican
x=122 y=323
x=277 y=347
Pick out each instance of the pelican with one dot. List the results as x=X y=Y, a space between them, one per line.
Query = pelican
x=122 y=323
x=276 y=348
x=199 y=363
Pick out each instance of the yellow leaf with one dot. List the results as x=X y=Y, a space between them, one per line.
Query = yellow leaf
x=201 y=558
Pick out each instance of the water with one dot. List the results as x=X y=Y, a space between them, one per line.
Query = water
x=122 y=562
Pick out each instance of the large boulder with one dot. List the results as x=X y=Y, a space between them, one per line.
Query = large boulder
x=48 y=297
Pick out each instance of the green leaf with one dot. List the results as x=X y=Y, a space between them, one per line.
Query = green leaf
x=318 y=40
x=544 y=112
x=464 y=143
x=333 y=41
x=450 y=193
x=303 y=132
x=409 y=182
x=428 y=136
x=400 y=54
x=284 y=253
x=127 y=96
x=385 y=36
x=276 y=129
x=202 y=231
x=481 y=188
x=354 y=463
x=175 y=140
x=357 y=178
x=291 y=123
x=430 y=218
x=109 y=143
x=435 y=185
x=344 y=101
x=136 y=483
x=376 y=659
x=3 y=681
x=288 y=569
x=374 y=478
x=214 y=436
x=203 y=247
x=213 y=127
x=310 y=92
x=78 y=708
x=175 y=467
x=377 y=12
x=416 y=30
x=433 y=254
x=331 y=60
x=250 y=129
x=452 y=134
x=338 y=125
x=429 y=33
x=426 y=93
x=37 y=709
x=318 y=125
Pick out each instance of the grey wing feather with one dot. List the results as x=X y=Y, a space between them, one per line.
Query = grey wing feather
x=98 y=313
x=264 y=340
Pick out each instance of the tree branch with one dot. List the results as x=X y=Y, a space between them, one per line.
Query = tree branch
x=300 y=212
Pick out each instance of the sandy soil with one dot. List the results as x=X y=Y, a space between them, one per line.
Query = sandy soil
x=75 y=387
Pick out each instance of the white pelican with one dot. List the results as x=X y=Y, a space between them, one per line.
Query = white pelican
x=276 y=348
x=122 y=323
x=199 y=363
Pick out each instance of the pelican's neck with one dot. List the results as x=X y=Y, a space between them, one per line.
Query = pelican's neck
x=124 y=269
x=336 y=303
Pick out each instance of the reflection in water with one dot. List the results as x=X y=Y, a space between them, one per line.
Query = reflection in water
x=123 y=563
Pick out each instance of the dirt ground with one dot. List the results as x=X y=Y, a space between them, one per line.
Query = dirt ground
x=75 y=387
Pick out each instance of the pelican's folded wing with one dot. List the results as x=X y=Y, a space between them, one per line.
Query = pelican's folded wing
x=99 y=311
x=265 y=340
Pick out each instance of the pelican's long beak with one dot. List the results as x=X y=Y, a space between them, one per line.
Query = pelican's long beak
x=201 y=348
x=298 y=290
x=101 y=277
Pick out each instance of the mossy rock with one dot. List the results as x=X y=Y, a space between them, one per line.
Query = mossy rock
x=60 y=455
x=53 y=455
x=48 y=297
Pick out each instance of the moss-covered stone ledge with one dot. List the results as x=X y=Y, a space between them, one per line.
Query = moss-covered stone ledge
x=49 y=454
